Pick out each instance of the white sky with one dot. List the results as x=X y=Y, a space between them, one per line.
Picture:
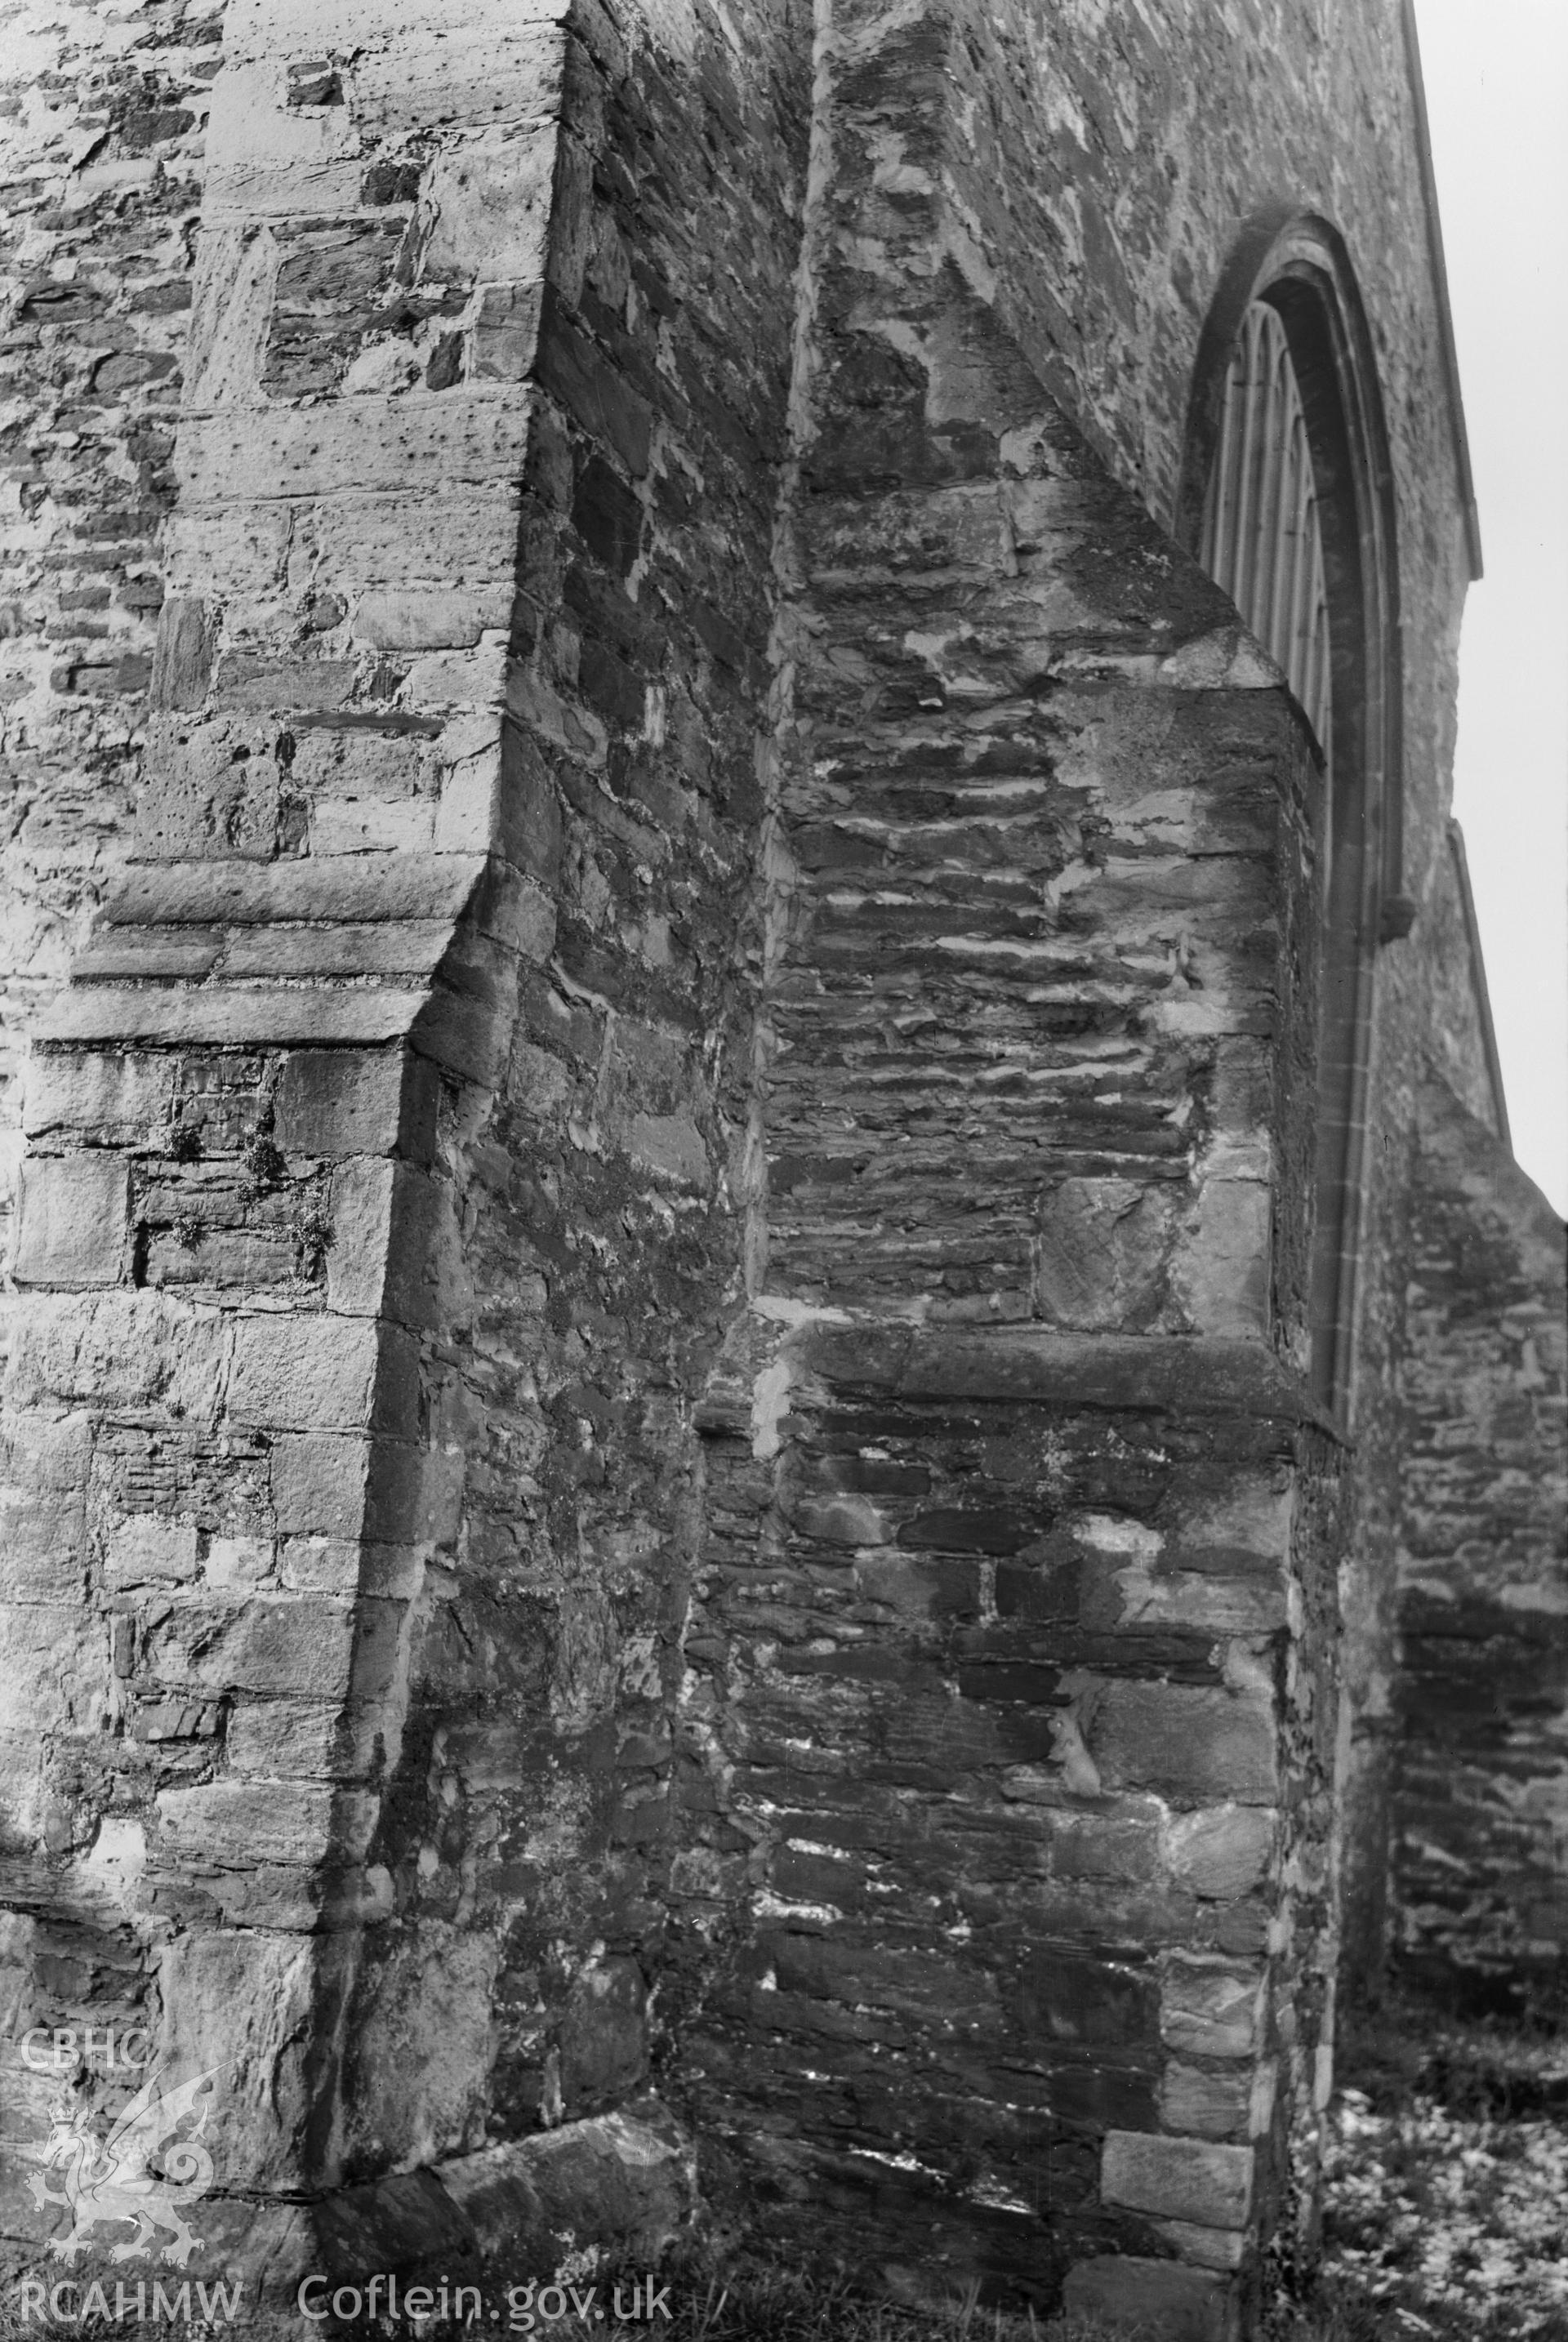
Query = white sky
x=1497 y=74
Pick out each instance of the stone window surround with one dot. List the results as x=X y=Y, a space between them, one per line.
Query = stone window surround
x=1298 y=264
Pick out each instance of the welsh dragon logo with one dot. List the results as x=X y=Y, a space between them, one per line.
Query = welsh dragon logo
x=114 y=2179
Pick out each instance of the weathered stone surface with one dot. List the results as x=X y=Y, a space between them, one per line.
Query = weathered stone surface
x=1204 y=2103
x=427 y=620
x=1131 y=2295
x=114 y=159
x=349 y=1102
x=144 y=1550
x=1211 y=2012
x=432 y=1983
x=72 y=1221
x=256 y=1015
x=408 y=2221
x=241 y=1825
x=55 y=1665
x=301 y=1645
x=44 y=1542
x=299 y=1373
x=119 y=1349
x=239 y=2004
x=1181 y=2178
x=1221 y=1269
x=1480 y=1788
x=1187 y=1743
x=395 y=1249
x=1223 y=1852
x=368 y=443
x=287 y=1738
x=1215 y=2249
x=518 y=2207
x=491 y=196
x=382 y=887
x=122 y=1099
x=631 y=2173
x=318 y=1485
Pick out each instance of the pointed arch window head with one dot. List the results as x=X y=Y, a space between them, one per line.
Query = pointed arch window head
x=1261 y=539
x=1286 y=499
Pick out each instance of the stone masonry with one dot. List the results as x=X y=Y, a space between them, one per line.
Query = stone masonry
x=1479 y=1689
x=670 y=1551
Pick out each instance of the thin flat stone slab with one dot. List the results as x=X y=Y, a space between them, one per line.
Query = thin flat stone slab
x=230 y=1016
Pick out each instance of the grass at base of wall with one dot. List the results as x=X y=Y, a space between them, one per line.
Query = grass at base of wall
x=770 y=2305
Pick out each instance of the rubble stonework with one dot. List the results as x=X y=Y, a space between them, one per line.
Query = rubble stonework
x=1480 y=1803
x=666 y=1509
x=104 y=131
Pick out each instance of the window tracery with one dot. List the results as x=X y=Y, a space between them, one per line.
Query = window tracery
x=1261 y=539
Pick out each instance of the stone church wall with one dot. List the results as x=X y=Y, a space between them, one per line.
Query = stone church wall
x=660 y=1477
x=1480 y=1805
x=1474 y=1702
x=104 y=125
x=388 y=1154
x=1033 y=1099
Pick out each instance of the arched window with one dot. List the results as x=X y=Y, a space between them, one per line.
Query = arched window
x=1286 y=499
x=1261 y=539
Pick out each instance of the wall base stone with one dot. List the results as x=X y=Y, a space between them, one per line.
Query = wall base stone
x=622 y=2182
x=1145 y=2297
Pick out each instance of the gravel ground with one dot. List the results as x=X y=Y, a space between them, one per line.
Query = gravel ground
x=1446 y=2188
